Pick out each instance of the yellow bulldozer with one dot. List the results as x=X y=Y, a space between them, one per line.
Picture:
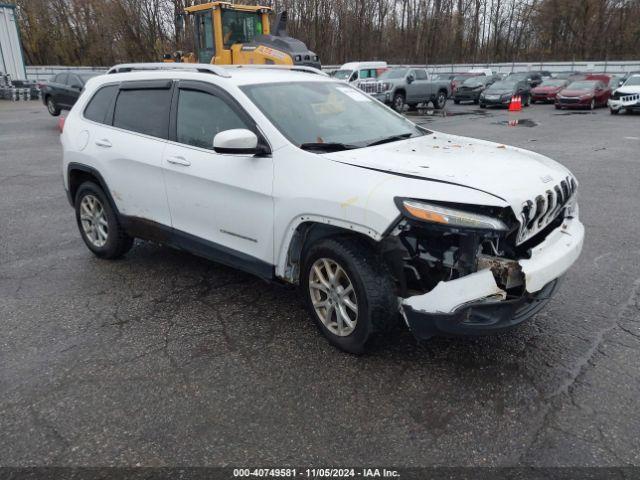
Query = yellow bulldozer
x=230 y=34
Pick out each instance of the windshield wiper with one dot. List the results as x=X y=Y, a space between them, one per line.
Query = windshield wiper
x=392 y=138
x=327 y=147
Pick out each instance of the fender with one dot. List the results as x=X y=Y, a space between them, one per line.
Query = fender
x=281 y=265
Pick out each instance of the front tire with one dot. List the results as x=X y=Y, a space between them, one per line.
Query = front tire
x=52 y=107
x=348 y=291
x=613 y=112
x=592 y=105
x=98 y=223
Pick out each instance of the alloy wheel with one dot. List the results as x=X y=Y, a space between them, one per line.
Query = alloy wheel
x=51 y=106
x=333 y=297
x=94 y=220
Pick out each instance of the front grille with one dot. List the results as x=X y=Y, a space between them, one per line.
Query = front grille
x=371 y=87
x=536 y=214
x=569 y=100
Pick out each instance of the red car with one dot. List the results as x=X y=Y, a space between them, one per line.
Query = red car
x=583 y=94
x=546 y=92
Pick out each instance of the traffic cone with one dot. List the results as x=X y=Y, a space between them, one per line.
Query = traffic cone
x=512 y=104
x=519 y=103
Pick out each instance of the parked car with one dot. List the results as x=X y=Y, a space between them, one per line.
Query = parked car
x=358 y=71
x=627 y=97
x=603 y=77
x=332 y=195
x=459 y=80
x=471 y=89
x=570 y=75
x=63 y=91
x=583 y=94
x=500 y=93
x=407 y=86
x=546 y=92
x=533 y=79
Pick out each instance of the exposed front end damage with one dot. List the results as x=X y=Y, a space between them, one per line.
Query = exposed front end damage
x=459 y=281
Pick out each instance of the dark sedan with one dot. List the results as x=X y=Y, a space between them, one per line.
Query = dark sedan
x=63 y=91
x=546 y=92
x=471 y=89
x=500 y=93
x=583 y=94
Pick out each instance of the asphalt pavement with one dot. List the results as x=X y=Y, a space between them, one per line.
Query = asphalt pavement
x=164 y=359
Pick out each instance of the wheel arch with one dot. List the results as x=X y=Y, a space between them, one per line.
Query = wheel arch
x=77 y=174
x=309 y=229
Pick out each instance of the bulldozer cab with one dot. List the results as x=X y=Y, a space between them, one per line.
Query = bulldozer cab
x=222 y=29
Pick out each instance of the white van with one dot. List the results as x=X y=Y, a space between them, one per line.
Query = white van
x=482 y=71
x=356 y=71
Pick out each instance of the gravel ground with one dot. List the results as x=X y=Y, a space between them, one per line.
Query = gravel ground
x=166 y=359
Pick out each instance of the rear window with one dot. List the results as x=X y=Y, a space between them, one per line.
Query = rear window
x=144 y=111
x=100 y=104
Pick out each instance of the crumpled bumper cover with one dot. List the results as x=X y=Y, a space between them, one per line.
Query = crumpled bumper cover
x=475 y=305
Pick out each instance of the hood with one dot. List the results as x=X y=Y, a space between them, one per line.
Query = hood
x=512 y=174
x=547 y=89
x=575 y=93
x=630 y=90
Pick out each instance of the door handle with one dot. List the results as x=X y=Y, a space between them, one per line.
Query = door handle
x=179 y=161
x=103 y=143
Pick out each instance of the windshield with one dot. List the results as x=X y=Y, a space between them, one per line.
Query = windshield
x=394 y=73
x=342 y=74
x=553 y=83
x=584 y=85
x=518 y=76
x=240 y=27
x=632 y=81
x=459 y=78
x=327 y=113
x=503 y=85
x=474 y=81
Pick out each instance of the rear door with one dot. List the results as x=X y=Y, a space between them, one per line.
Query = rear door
x=73 y=89
x=223 y=203
x=128 y=148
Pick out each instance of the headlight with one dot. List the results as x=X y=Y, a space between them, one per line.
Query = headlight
x=387 y=86
x=452 y=217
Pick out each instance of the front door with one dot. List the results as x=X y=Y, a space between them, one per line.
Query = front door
x=217 y=201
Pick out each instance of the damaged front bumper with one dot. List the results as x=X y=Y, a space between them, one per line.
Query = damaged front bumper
x=475 y=304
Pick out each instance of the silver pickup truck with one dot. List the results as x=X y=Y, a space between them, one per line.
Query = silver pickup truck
x=407 y=86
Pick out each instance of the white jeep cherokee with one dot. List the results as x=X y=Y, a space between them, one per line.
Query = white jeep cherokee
x=295 y=177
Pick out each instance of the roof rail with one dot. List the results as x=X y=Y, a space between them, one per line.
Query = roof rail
x=199 y=67
x=292 y=68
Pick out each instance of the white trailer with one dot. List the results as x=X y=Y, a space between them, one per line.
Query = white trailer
x=11 y=58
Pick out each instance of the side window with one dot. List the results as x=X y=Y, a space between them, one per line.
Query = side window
x=421 y=75
x=73 y=80
x=99 y=105
x=60 y=78
x=201 y=116
x=366 y=73
x=143 y=111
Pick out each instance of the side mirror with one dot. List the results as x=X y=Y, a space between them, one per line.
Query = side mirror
x=410 y=79
x=239 y=141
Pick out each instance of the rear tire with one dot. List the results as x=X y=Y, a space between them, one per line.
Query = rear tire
x=356 y=266
x=398 y=102
x=482 y=105
x=614 y=112
x=457 y=102
x=52 y=107
x=440 y=101
x=98 y=223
